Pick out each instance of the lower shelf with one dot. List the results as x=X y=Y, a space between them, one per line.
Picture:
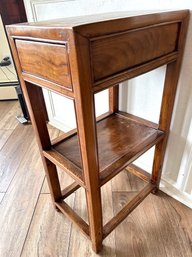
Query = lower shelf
x=121 y=140
x=112 y=223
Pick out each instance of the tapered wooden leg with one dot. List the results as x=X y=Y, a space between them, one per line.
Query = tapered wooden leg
x=34 y=95
x=44 y=107
x=89 y=152
x=157 y=164
x=168 y=99
x=95 y=219
x=36 y=108
x=52 y=179
x=86 y=123
x=88 y=145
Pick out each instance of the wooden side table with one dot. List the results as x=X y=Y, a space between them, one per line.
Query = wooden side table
x=78 y=57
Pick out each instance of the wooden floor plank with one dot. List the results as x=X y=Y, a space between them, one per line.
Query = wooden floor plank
x=8 y=119
x=160 y=226
x=4 y=135
x=182 y=217
x=13 y=153
x=5 y=107
x=121 y=182
x=18 y=205
x=126 y=181
x=79 y=245
x=138 y=234
x=39 y=241
x=175 y=229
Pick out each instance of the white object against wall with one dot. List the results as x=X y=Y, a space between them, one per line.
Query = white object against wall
x=140 y=95
x=7 y=74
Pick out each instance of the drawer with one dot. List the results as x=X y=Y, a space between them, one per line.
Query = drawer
x=45 y=60
x=116 y=53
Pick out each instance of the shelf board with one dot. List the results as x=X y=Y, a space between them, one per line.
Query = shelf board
x=121 y=140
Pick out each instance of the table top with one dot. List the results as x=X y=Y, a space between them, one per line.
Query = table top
x=111 y=47
x=71 y=22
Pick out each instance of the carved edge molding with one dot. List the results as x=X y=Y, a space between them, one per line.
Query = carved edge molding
x=31 y=9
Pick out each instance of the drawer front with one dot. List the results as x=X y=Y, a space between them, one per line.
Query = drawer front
x=117 y=53
x=45 y=60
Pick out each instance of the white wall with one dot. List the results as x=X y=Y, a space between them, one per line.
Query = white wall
x=4 y=49
x=141 y=93
x=61 y=8
x=7 y=74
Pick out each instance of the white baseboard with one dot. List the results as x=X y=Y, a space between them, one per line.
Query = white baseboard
x=55 y=123
x=172 y=191
x=8 y=93
x=168 y=186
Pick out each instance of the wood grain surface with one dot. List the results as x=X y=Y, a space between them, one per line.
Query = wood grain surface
x=13 y=152
x=100 y=54
x=6 y=106
x=141 y=229
x=5 y=134
x=48 y=61
x=30 y=227
x=47 y=219
x=118 y=53
x=117 y=136
x=20 y=199
x=8 y=118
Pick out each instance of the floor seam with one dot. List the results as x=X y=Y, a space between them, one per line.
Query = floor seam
x=31 y=219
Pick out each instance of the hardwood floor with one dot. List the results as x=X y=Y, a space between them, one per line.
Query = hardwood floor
x=30 y=226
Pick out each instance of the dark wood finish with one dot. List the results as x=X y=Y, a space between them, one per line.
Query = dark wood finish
x=114 y=99
x=133 y=72
x=47 y=232
x=107 y=51
x=63 y=137
x=70 y=189
x=138 y=120
x=118 y=142
x=12 y=11
x=109 y=172
x=48 y=84
x=73 y=170
x=85 y=112
x=98 y=55
x=73 y=132
x=92 y=26
x=66 y=210
x=36 y=107
x=169 y=93
x=52 y=179
x=144 y=175
x=37 y=114
x=47 y=61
